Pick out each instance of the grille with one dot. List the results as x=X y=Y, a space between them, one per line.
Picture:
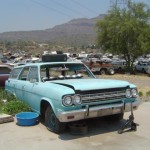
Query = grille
x=103 y=96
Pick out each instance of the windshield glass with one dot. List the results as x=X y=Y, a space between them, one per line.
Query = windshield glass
x=64 y=71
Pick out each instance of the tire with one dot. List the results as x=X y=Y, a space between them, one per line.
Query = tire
x=111 y=71
x=102 y=71
x=143 y=70
x=120 y=70
x=52 y=123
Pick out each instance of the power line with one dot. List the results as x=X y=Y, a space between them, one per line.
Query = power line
x=118 y=3
x=48 y=7
x=83 y=6
x=68 y=8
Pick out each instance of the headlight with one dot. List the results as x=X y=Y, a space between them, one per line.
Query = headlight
x=134 y=92
x=67 y=101
x=77 y=99
x=128 y=93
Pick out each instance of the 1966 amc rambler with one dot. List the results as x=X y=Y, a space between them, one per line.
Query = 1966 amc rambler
x=63 y=92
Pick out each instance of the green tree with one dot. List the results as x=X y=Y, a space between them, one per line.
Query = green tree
x=125 y=31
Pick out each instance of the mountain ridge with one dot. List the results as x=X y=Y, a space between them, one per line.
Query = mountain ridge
x=75 y=32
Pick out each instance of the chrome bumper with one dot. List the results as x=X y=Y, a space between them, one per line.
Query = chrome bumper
x=135 y=105
x=97 y=111
x=90 y=112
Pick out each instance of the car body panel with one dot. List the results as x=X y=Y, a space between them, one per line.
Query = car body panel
x=26 y=83
x=94 y=83
x=4 y=74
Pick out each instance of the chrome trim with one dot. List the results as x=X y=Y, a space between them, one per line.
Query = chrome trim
x=64 y=100
x=135 y=105
x=87 y=98
x=91 y=112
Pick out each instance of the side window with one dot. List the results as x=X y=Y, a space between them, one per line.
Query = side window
x=33 y=74
x=139 y=63
x=24 y=74
x=15 y=72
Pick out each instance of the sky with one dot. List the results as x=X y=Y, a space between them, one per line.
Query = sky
x=27 y=15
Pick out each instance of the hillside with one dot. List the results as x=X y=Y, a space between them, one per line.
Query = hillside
x=75 y=32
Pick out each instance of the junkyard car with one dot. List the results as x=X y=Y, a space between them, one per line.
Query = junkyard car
x=101 y=67
x=4 y=73
x=142 y=66
x=64 y=92
x=148 y=69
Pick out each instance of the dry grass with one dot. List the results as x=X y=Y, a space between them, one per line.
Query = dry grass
x=141 y=81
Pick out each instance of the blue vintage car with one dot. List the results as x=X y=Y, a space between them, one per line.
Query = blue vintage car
x=64 y=92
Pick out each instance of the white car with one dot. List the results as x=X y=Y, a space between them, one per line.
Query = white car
x=142 y=66
x=148 y=69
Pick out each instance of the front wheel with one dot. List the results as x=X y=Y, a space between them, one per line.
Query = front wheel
x=111 y=71
x=52 y=123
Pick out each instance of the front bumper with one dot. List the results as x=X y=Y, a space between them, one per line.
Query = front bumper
x=96 y=111
x=135 y=105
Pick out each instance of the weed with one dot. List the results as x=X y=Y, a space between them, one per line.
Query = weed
x=14 y=107
x=9 y=104
x=148 y=93
x=140 y=93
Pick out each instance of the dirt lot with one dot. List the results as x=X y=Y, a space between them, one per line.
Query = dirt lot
x=102 y=133
x=141 y=81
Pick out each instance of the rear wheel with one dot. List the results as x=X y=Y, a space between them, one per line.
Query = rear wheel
x=120 y=69
x=143 y=70
x=52 y=123
x=102 y=71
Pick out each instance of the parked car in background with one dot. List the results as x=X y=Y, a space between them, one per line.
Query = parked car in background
x=4 y=73
x=100 y=67
x=119 y=65
x=63 y=92
x=142 y=66
x=148 y=69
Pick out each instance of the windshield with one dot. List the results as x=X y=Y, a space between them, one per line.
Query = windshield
x=64 y=71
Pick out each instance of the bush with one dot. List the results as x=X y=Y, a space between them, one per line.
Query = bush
x=140 y=93
x=148 y=94
x=9 y=104
x=6 y=96
x=14 y=107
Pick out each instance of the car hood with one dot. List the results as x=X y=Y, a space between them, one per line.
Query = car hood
x=91 y=84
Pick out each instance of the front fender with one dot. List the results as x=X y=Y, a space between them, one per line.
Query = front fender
x=54 y=106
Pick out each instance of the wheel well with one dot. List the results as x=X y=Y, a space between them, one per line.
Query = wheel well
x=44 y=105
